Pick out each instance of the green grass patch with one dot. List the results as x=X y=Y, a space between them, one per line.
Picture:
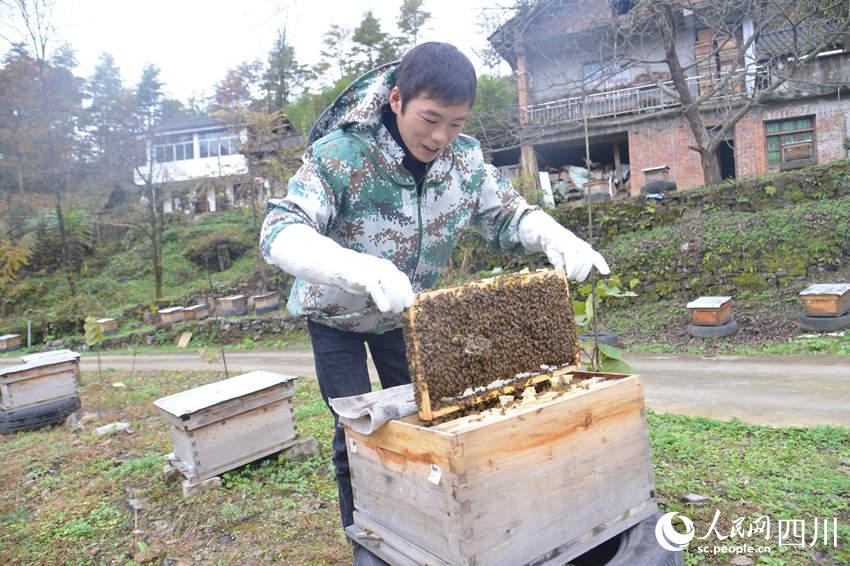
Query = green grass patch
x=65 y=494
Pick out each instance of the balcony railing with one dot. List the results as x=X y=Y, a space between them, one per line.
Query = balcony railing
x=640 y=99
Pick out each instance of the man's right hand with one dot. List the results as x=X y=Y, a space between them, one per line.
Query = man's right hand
x=389 y=287
x=301 y=251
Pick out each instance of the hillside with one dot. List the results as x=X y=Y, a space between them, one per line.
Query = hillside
x=760 y=240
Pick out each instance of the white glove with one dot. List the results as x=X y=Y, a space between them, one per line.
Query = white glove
x=301 y=251
x=539 y=232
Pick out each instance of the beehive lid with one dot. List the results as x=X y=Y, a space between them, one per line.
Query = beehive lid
x=196 y=307
x=170 y=310
x=69 y=354
x=40 y=362
x=232 y=298
x=8 y=336
x=265 y=295
x=102 y=320
x=826 y=289
x=709 y=302
x=186 y=403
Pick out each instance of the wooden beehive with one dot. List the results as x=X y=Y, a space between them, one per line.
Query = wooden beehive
x=827 y=300
x=465 y=338
x=234 y=305
x=711 y=311
x=266 y=302
x=108 y=325
x=171 y=315
x=539 y=483
x=10 y=342
x=42 y=379
x=196 y=312
x=223 y=425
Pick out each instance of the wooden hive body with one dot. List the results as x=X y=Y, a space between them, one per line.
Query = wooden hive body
x=171 y=315
x=10 y=342
x=196 y=312
x=42 y=379
x=540 y=484
x=711 y=311
x=223 y=425
x=108 y=325
x=825 y=300
x=234 y=305
x=267 y=302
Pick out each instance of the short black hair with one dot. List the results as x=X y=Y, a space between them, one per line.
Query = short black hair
x=440 y=71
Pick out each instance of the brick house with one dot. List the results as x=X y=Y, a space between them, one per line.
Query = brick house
x=567 y=68
x=200 y=164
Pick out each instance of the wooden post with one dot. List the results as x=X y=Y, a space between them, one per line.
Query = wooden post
x=618 y=165
x=527 y=159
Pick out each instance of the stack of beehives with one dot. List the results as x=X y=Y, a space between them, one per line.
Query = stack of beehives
x=40 y=392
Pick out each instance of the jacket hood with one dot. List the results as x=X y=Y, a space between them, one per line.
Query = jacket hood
x=359 y=105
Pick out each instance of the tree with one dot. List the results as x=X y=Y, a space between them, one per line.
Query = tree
x=13 y=257
x=148 y=115
x=370 y=44
x=411 y=19
x=36 y=27
x=284 y=75
x=335 y=48
x=19 y=121
x=148 y=100
x=109 y=118
x=493 y=118
x=238 y=88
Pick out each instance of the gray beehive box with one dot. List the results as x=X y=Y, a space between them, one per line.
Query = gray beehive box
x=223 y=425
x=41 y=379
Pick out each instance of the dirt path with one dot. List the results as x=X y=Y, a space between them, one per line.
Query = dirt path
x=779 y=391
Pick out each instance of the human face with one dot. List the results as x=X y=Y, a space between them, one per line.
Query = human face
x=428 y=126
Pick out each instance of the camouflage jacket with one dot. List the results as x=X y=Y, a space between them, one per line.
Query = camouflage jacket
x=353 y=188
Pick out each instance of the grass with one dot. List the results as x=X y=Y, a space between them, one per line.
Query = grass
x=65 y=491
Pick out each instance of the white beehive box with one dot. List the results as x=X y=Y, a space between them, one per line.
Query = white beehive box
x=47 y=377
x=223 y=425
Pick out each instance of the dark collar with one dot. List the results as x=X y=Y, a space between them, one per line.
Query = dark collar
x=415 y=167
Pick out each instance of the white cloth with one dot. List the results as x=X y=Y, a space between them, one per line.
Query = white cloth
x=301 y=251
x=367 y=413
x=539 y=232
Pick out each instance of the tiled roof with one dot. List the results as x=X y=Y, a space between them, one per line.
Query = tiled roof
x=800 y=41
x=193 y=123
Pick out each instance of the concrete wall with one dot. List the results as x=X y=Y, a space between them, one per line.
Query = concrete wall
x=558 y=73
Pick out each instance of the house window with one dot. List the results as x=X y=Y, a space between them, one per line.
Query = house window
x=173 y=148
x=790 y=143
x=215 y=144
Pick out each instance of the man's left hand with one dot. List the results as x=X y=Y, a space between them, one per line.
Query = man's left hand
x=540 y=232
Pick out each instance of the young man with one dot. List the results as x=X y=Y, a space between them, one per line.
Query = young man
x=387 y=185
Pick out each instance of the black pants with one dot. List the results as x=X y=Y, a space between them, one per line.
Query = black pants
x=341 y=369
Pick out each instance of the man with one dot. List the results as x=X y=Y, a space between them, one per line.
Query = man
x=386 y=187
